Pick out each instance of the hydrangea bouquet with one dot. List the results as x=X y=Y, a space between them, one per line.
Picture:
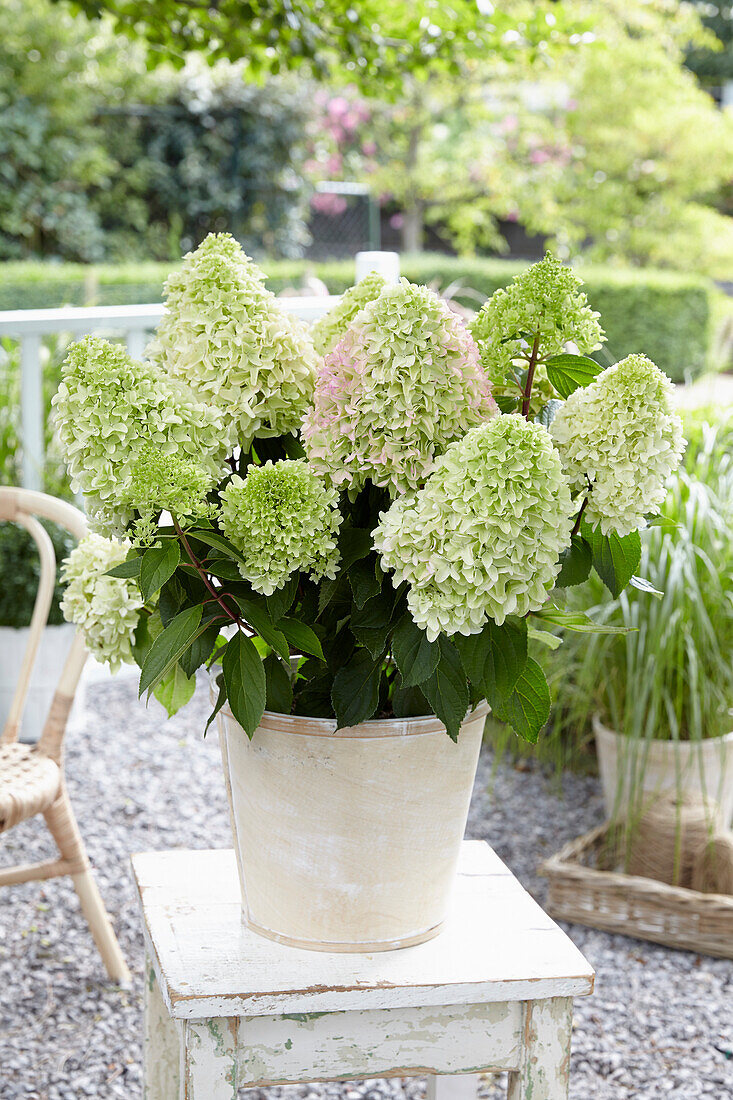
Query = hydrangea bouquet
x=378 y=517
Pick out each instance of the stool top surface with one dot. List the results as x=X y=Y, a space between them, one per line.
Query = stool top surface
x=497 y=945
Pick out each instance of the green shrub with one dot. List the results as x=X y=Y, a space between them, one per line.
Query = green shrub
x=667 y=316
x=20 y=572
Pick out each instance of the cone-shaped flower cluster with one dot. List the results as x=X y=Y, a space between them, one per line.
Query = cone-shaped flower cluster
x=105 y=608
x=281 y=517
x=543 y=301
x=230 y=339
x=108 y=407
x=329 y=329
x=482 y=538
x=619 y=440
x=402 y=384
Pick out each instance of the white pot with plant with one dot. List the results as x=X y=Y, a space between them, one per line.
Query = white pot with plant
x=660 y=698
x=358 y=547
x=19 y=578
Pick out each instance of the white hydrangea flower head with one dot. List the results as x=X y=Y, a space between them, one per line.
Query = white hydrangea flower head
x=281 y=517
x=107 y=408
x=401 y=384
x=328 y=330
x=620 y=436
x=545 y=299
x=482 y=538
x=105 y=608
x=230 y=338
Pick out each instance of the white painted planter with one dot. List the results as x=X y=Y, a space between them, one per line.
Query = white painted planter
x=348 y=840
x=651 y=768
x=52 y=653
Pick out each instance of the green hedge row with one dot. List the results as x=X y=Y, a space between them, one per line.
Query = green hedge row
x=666 y=315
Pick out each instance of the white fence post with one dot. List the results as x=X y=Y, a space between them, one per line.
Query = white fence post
x=136 y=341
x=386 y=264
x=32 y=418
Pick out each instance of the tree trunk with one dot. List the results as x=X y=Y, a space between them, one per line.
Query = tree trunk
x=412 y=227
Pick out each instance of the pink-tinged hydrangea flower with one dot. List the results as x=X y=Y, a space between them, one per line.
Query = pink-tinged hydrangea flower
x=230 y=339
x=482 y=538
x=329 y=329
x=105 y=608
x=281 y=517
x=402 y=383
x=621 y=437
x=108 y=408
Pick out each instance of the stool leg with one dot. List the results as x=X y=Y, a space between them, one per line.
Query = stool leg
x=452 y=1086
x=210 y=1059
x=162 y=1054
x=544 y=1068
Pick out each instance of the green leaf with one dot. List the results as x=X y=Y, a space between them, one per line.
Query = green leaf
x=224 y=568
x=244 y=676
x=354 y=543
x=578 y=621
x=355 y=691
x=213 y=538
x=549 y=412
x=643 y=585
x=447 y=690
x=615 y=558
x=301 y=637
x=126 y=569
x=416 y=657
x=527 y=708
x=158 y=565
x=220 y=701
x=575 y=563
x=258 y=618
x=175 y=690
x=281 y=600
x=544 y=637
x=171 y=598
x=279 y=689
x=372 y=623
x=364 y=582
x=495 y=658
x=409 y=702
x=171 y=644
x=567 y=373
x=199 y=651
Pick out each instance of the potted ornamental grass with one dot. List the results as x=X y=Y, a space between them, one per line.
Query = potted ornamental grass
x=357 y=543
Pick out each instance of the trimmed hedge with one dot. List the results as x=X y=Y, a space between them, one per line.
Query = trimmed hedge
x=666 y=315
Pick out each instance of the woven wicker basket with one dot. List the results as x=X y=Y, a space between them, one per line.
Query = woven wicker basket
x=585 y=889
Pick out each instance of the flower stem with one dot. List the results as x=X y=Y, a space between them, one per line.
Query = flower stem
x=579 y=517
x=204 y=575
x=530 y=376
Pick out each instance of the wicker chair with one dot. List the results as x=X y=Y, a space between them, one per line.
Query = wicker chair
x=32 y=777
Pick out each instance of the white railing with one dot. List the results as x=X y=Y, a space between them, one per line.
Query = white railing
x=133 y=323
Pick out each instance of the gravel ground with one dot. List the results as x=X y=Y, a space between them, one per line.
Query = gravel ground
x=650 y=1030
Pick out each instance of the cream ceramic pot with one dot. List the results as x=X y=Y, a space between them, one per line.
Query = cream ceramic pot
x=348 y=840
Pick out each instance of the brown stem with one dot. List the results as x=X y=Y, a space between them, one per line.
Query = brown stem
x=530 y=376
x=579 y=517
x=204 y=575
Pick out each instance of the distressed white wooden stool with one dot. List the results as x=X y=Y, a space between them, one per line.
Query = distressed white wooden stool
x=228 y=1009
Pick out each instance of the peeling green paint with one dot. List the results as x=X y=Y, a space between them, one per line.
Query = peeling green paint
x=151 y=979
x=289 y=1044
x=303 y=1017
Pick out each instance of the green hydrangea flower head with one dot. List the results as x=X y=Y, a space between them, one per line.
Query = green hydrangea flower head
x=231 y=339
x=401 y=384
x=108 y=407
x=545 y=300
x=329 y=329
x=171 y=483
x=482 y=538
x=105 y=608
x=619 y=440
x=281 y=517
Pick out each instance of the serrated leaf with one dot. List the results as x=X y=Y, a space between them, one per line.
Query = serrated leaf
x=220 y=701
x=544 y=638
x=158 y=565
x=199 y=651
x=279 y=689
x=171 y=599
x=213 y=538
x=364 y=582
x=257 y=617
x=416 y=657
x=281 y=600
x=355 y=691
x=301 y=637
x=575 y=563
x=447 y=690
x=494 y=659
x=244 y=677
x=577 y=621
x=567 y=373
x=615 y=558
x=175 y=690
x=372 y=623
x=549 y=412
x=409 y=702
x=170 y=644
x=527 y=708
x=126 y=569
x=643 y=585
x=354 y=543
